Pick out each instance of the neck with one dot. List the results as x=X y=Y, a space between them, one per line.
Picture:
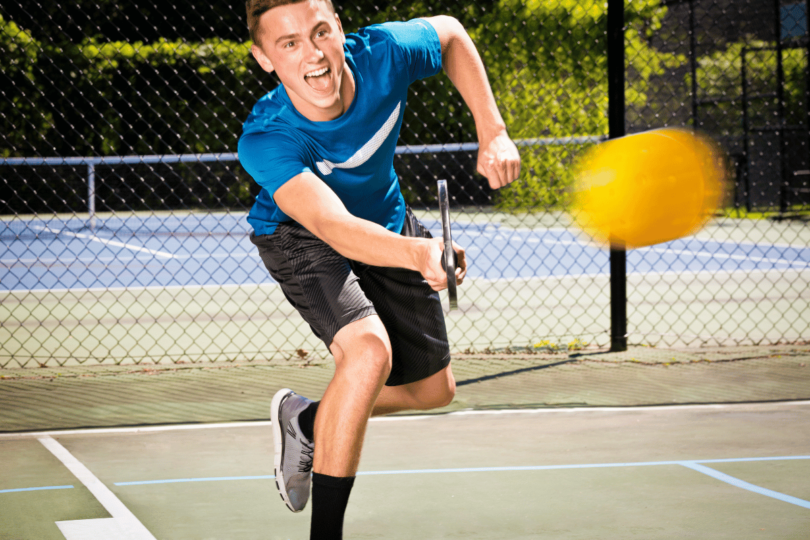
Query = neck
x=347 y=89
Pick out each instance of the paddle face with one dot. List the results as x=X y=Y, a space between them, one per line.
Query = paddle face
x=648 y=188
x=449 y=257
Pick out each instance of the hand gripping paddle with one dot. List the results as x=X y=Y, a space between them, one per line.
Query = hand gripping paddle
x=449 y=257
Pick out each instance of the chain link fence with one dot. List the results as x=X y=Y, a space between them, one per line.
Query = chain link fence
x=123 y=236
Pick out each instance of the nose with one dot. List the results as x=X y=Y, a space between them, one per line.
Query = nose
x=313 y=51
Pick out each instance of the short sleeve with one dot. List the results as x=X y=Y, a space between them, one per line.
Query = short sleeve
x=271 y=158
x=420 y=46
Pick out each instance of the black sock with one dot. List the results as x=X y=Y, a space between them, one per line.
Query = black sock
x=306 y=420
x=330 y=495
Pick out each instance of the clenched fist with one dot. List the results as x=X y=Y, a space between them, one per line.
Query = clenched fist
x=499 y=161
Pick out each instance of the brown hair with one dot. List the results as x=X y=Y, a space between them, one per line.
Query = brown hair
x=256 y=8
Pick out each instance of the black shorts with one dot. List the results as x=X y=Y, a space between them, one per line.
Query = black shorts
x=330 y=291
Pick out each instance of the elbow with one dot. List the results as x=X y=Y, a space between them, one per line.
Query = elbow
x=449 y=29
x=454 y=29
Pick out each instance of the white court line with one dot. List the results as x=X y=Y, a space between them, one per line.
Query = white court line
x=726 y=256
x=108 y=242
x=696 y=253
x=92 y=529
x=699 y=237
x=86 y=260
x=138 y=289
x=692 y=273
x=532 y=240
x=406 y=418
x=736 y=482
x=130 y=525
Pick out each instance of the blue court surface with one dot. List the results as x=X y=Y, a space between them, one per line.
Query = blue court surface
x=209 y=249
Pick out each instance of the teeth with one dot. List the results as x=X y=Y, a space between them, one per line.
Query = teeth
x=316 y=73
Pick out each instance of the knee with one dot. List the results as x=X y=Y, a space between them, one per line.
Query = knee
x=447 y=392
x=376 y=355
x=438 y=392
x=364 y=349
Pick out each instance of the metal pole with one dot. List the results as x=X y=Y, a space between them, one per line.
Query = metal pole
x=91 y=195
x=807 y=73
x=780 y=111
x=693 y=62
x=616 y=127
x=746 y=139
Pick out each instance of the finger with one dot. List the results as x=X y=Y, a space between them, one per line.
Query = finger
x=461 y=272
x=506 y=172
x=514 y=170
x=495 y=177
x=461 y=269
x=434 y=274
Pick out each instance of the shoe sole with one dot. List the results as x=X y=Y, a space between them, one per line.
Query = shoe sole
x=275 y=413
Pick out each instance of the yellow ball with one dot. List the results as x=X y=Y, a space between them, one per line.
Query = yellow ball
x=648 y=188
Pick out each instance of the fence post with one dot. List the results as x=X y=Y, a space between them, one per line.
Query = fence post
x=807 y=72
x=91 y=195
x=780 y=112
x=693 y=62
x=616 y=127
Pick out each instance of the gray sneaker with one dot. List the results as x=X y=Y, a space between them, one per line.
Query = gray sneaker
x=293 y=451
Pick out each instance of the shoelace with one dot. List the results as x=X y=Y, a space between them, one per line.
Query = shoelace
x=307 y=450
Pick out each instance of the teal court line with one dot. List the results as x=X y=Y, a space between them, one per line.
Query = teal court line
x=43 y=488
x=695 y=465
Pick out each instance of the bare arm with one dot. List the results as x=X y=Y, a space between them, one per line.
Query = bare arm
x=498 y=158
x=310 y=202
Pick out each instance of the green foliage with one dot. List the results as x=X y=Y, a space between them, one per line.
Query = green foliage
x=550 y=80
x=71 y=85
x=547 y=64
x=19 y=53
x=719 y=75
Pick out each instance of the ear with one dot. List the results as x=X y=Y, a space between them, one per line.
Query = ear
x=340 y=27
x=261 y=58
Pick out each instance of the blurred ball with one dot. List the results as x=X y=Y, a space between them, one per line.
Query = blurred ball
x=648 y=188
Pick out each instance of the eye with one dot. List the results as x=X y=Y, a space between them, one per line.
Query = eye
x=321 y=33
x=289 y=44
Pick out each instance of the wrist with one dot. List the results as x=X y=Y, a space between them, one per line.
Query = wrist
x=490 y=132
x=419 y=254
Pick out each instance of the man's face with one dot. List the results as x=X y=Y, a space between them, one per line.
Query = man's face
x=303 y=44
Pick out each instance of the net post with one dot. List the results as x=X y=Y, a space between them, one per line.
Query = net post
x=616 y=125
x=91 y=195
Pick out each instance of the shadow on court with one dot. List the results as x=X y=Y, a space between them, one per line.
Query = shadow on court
x=711 y=471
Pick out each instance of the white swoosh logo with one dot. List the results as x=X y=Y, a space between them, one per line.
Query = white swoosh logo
x=363 y=155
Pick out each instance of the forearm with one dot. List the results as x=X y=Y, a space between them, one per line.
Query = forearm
x=498 y=157
x=311 y=203
x=369 y=243
x=463 y=65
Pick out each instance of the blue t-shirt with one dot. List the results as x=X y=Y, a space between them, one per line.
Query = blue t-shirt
x=354 y=153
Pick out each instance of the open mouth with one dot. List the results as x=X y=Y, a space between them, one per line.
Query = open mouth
x=319 y=79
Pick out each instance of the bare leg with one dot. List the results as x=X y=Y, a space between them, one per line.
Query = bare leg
x=362 y=354
x=431 y=393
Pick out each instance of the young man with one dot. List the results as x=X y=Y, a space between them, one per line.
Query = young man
x=333 y=229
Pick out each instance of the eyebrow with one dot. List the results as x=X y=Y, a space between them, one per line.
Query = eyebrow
x=285 y=38
x=291 y=36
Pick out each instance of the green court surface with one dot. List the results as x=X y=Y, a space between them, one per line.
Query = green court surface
x=709 y=471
